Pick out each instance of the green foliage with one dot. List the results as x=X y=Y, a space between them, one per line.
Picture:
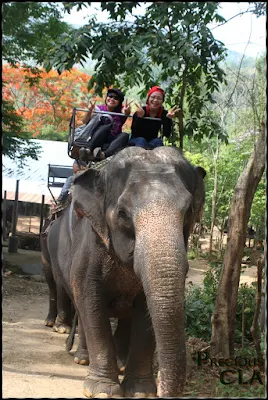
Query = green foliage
x=172 y=36
x=263 y=342
x=258 y=7
x=246 y=295
x=236 y=390
x=30 y=29
x=16 y=142
x=242 y=111
x=200 y=301
x=257 y=212
x=48 y=132
x=199 y=304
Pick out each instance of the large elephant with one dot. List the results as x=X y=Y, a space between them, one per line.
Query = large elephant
x=120 y=250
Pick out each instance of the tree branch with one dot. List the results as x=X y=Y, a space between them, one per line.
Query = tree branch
x=237 y=15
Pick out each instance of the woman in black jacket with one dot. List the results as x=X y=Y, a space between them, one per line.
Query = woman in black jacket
x=144 y=132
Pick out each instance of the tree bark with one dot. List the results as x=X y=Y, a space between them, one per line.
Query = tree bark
x=224 y=315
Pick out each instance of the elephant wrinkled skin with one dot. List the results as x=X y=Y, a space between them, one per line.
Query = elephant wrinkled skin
x=120 y=250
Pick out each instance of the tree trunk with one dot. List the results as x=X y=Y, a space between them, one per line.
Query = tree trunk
x=214 y=200
x=224 y=316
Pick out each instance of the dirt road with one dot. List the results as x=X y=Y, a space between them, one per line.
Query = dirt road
x=35 y=363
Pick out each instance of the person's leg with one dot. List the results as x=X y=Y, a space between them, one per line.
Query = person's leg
x=65 y=189
x=157 y=142
x=139 y=141
x=93 y=150
x=98 y=139
x=117 y=144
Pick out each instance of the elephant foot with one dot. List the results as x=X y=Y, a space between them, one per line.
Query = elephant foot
x=102 y=388
x=49 y=322
x=139 y=387
x=81 y=357
x=61 y=328
x=50 y=319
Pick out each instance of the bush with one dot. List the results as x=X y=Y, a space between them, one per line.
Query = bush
x=49 y=132
x=28 y=241
x=246 y=293
x=200 y=301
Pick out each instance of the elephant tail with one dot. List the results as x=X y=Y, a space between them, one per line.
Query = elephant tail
x=70 y=338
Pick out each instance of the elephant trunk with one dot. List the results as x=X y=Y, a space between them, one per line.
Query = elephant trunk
x=162 y=265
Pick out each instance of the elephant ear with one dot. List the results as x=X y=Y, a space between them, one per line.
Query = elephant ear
x=88 y=201
x=199 y=194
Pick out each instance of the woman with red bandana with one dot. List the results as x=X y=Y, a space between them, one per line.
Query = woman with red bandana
x=144 y=132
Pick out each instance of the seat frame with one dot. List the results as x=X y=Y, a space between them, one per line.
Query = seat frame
x=56 y=172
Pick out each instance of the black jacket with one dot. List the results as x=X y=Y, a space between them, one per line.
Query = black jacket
x=149 y=129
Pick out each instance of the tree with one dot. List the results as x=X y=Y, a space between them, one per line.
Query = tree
x=258 y=8
x=16 y=142
x=224 y=315
x=45 y=100
x=240 y=107
x=30 y=29
x=172 y=36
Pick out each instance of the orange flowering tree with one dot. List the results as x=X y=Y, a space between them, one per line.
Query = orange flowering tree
x=45 y=100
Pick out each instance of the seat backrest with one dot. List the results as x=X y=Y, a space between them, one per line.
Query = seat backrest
x=57 y=175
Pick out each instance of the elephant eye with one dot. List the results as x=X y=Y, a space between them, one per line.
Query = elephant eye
x=123 y=219
x=122 y=214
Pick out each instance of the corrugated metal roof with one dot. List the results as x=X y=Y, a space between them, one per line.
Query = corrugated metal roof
x=33 y=176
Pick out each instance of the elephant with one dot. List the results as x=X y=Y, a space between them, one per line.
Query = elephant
x=119 y=250
x=61 y=309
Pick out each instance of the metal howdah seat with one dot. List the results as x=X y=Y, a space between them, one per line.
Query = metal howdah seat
x=57 y=175
x=77 y=137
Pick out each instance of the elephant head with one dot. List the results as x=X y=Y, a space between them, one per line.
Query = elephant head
x=143 y=205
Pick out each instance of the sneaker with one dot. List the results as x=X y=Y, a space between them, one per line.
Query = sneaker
x=85 y=154
x=98 y=154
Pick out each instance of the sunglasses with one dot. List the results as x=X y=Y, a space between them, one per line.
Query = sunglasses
x=113 y=96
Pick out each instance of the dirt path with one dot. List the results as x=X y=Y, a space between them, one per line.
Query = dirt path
x=35 y=363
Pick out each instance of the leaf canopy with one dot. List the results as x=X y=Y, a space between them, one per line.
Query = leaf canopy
x=174 y=37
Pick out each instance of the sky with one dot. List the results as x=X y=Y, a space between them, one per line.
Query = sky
x=244 y=34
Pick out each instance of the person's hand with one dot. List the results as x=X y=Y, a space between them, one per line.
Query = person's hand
x=172 y=112
x=88 y=115
x=126 y=107
x=91 y=107
x=140 y=111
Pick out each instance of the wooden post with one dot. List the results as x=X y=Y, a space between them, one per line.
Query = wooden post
x=42 y=214
x=30 y=223
x=13 y=240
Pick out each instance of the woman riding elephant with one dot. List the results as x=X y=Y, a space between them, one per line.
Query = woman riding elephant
x=119 y=250
x=144 y=132
x=105 y=143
